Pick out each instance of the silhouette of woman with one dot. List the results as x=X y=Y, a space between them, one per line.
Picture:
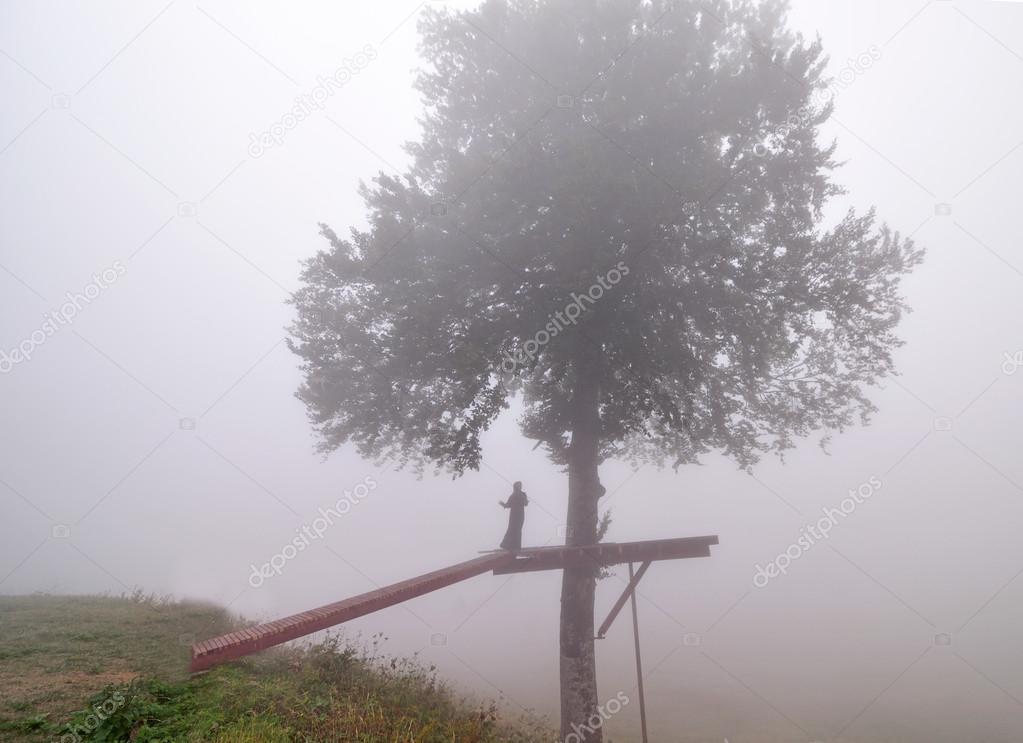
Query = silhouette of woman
x=516 y=504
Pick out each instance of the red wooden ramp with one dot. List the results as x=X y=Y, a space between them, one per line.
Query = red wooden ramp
x=253 y=639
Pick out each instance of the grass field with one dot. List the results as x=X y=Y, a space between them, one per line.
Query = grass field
x=115 y=669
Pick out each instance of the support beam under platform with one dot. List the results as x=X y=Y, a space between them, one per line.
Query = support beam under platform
x=630 y=591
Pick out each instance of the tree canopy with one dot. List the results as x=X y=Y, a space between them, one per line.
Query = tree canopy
x=675 y=143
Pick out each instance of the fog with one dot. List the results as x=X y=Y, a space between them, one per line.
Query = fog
x=156 y=442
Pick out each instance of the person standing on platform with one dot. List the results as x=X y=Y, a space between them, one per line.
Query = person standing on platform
x=516 y=504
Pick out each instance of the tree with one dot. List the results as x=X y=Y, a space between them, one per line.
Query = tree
x=615 y=211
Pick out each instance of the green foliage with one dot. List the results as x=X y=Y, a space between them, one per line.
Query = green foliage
x=25 y=725
x=603 y=525
x=110 y=715
x=326 y=692
x=674 y=141
x=332 y=691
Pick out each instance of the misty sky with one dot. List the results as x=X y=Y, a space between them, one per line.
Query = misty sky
x=154 y=441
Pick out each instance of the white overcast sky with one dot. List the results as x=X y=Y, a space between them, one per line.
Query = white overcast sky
x=159 y=431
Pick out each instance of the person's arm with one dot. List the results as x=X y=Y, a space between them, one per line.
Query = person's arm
x=503 y=504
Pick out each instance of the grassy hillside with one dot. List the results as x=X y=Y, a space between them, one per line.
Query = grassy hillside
x=115 y=669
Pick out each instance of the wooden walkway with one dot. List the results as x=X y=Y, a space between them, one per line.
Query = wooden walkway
x=253 y=639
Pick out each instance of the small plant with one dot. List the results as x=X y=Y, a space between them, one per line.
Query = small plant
x=332 y=657
x=106 y=717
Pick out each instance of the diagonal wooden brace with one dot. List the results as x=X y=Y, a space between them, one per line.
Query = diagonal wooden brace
x=629 y=589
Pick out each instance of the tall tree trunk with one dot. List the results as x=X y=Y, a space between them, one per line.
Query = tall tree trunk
x=578 y=584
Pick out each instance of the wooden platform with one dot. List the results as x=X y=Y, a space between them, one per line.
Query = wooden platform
x=253 y=639
x=607 y=553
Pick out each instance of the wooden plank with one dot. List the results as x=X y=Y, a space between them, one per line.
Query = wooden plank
x=611 y=553
x=240 y=643
x=252 y=639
